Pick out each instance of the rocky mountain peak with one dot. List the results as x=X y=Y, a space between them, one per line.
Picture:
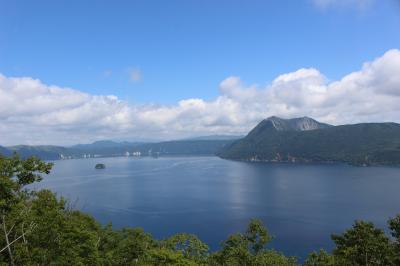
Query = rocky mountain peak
x=296 y=124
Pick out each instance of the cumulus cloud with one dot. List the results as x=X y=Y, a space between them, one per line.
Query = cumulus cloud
x=32 y=112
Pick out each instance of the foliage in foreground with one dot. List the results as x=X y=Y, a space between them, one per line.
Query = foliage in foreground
x=37 y=228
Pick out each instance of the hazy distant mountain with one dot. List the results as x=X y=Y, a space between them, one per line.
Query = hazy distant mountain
x=104 y=144
x=178 y=147
x=215 y=137
x=305 y=140
x=100 y=143
x=184 y=147
x=109 y=148
x=46 y=152
x=101 y=148
x=4 y=151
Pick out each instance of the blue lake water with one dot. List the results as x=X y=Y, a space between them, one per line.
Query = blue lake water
x=301 y=205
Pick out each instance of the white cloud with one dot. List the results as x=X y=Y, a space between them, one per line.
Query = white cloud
x=135 y=74
x=34 y=113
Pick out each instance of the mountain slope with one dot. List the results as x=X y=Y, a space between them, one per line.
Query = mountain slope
x=295 y=124
x=111 y=148
x=214 y=137
x=45 y=152
x=185 y=147
x=369 y=143
x=4 y=151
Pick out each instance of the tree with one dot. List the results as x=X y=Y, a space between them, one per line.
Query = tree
x=166 y=257
x=363 y=244
x=394 y=225
x=257 y=236
x=15 y=174
x=250 y=249
x=273 y=258
x=133 y=245
x=234 y=252
x=188 y=245
x=38 y=228
x=321 y=258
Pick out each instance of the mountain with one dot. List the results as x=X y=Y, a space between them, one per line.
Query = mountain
x=178 y=147
x=45 y=152
x=4 y=151
x=294 y=124
x=100 y=148
x=184 y=147
x=108 y=148
x=101 y=144
x=215 y=137
x=306 y=140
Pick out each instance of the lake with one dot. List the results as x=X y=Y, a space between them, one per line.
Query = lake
x=301 y=205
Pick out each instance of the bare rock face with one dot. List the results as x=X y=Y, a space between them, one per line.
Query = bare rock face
x=296 y=124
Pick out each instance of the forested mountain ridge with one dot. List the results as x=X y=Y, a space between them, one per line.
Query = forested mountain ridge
x=4 y=151
x=47 y=152
x=306 y=140
x=111 y=148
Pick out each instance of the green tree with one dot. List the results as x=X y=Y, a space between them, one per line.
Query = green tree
x=166 y=257
x=321 y=258
x=363 y=244
x=133 y=245
x=234 y=252
x=15 y=175
x=188 y=245
x=257 y=236
x=250 y=249
x=273 y=258
x=394 y=225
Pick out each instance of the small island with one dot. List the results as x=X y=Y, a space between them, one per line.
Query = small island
x=100 y=166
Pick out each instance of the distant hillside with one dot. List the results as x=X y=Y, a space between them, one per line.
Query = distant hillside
x=46 y=152
x=111 y=148
x=184 y=147
x=104 y=144
x=101 y=148
x=216 y=137
x=306 y=140
x=4 y=151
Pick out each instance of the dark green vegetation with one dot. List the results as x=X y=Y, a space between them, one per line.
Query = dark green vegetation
x=306 y=140
x=206 y=146
x=38 y=228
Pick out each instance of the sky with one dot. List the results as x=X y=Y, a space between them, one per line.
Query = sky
x=80 y=71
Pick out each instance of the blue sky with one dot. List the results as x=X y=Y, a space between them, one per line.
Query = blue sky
x=79 y=71
x=184 y=49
